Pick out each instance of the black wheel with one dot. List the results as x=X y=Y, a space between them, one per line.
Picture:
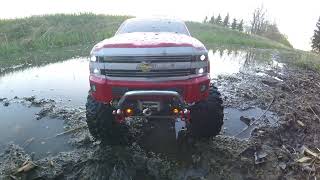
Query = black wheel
x=102 y=124
x=207 y=116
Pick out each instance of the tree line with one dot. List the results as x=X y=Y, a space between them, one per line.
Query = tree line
x=315 y=42
x=259 y=25
x=235 y=25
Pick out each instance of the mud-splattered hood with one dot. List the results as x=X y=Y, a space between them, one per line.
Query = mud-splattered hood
x=148 y=43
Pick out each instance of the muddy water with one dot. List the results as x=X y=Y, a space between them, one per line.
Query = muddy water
x=67 y=84
x=226 y=62
x=234 y=126
x=20 y=126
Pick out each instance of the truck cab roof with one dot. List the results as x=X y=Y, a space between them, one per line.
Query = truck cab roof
x=153 y=25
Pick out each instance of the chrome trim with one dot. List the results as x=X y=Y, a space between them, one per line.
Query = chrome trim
x=199 y=64
x=98 y=76
x=171 y=70
x=150 y=59
x=119 y=91
x=149 y=93
x=156 y=79
x=149 y=73
x=155 y=66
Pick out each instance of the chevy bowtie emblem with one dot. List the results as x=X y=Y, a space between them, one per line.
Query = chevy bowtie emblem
x=144 y=67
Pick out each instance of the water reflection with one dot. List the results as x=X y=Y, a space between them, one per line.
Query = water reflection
x=233 y=126
x=225 y=63
x=231 y=61
x=66 y=82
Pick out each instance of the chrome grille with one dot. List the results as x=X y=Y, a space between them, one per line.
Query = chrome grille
x=152 y=73
x=139 y=59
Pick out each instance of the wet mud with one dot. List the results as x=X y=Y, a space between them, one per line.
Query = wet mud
x=271 y=131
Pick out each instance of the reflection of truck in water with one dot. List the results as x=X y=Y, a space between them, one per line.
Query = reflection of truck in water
x=152 y=68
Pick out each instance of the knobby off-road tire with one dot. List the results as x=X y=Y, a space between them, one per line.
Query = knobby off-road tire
x=207 y=116
x=102 y=124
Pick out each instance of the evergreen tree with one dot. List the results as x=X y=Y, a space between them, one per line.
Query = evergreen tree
x=226 y=21
x=205 y=19
x=219 y=20
x=212 y=19
x=316 y=38
x=234 y=24
x=240 y=26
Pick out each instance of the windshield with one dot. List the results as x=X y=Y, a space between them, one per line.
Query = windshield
x=153 y=26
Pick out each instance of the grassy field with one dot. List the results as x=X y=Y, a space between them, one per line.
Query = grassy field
x=213 y=35
x=50 y=38
x=45 y=38
x=302 y=59
x=40 y=39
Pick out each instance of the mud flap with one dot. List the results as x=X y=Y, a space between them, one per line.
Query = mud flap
x=180 y=127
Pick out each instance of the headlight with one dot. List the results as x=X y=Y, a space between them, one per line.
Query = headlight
x=200 y=71
x=96 y=71
x=202 y=57
x=93 y=58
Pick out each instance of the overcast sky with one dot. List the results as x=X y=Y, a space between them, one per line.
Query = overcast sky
x=296 y=19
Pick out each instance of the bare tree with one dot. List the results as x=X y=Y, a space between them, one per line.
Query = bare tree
x=205 y=20
x=259 y=22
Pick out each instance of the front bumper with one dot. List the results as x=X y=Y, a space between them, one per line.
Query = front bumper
x=105 y=90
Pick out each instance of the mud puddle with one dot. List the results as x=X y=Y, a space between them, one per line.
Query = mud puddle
x=241 y=123
x=19 y=125
x=65 y=82
x=246 y=79
x=231 y=70
x=228 y=62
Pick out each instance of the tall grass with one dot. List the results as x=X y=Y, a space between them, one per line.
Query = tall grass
x=52 y=31
x=302 y=59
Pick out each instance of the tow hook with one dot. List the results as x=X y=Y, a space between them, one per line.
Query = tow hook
x=180 y=127
x=147 y=112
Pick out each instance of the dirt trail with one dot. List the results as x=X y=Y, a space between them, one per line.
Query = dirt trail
x=286 y=149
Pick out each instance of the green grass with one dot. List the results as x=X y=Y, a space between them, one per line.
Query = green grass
x=42 y=39
x=213 y=35
x=301 y=59
x=59 y=36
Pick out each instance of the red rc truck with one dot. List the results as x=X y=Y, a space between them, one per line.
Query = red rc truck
x=152 y=68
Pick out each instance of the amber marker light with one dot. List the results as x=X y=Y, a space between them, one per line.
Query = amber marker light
x=129 y=112
x=175 y=110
